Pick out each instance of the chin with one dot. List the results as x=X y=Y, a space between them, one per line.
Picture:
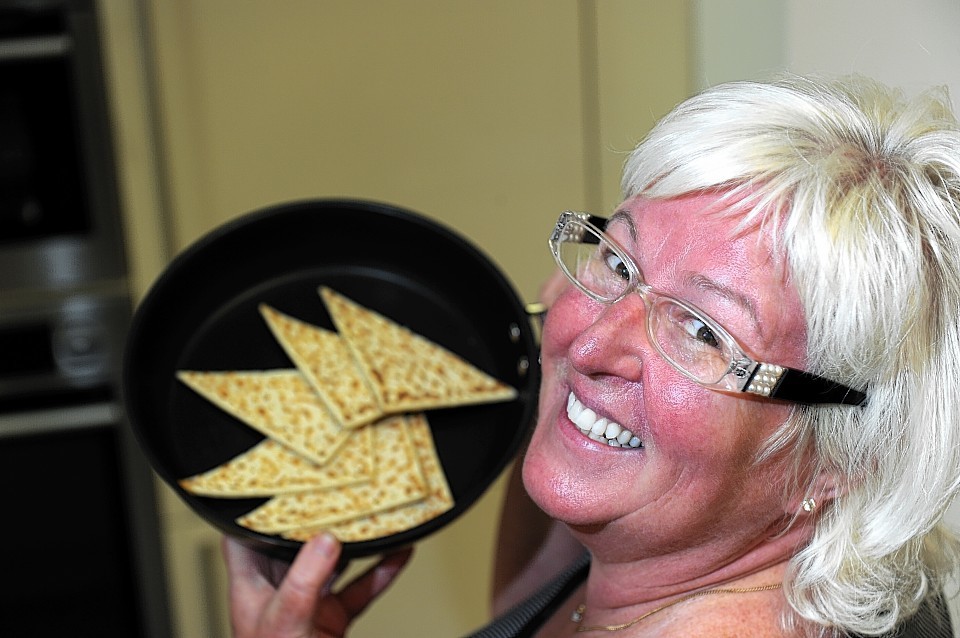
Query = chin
x=560 y=490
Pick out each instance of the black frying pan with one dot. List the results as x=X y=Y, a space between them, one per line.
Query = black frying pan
x=201 y=314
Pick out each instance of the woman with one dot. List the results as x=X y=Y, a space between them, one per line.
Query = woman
x=813 y=226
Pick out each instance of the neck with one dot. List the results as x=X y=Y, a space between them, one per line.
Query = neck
x=629 y=587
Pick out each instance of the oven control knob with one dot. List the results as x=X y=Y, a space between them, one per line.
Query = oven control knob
x=79 y=348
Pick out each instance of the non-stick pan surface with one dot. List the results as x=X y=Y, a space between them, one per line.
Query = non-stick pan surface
x=201 y=314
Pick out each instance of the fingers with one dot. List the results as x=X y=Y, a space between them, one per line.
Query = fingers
x=240 y=560
x=292 y=609
x=366 y=588
x=303 y=604
x=249 y=589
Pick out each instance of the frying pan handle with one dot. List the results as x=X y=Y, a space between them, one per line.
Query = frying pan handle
x=538 y=310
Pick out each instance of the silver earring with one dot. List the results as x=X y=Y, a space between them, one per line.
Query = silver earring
x=809 y=504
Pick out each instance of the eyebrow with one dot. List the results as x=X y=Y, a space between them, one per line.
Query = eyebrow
x=622 y=216
x=703 y=282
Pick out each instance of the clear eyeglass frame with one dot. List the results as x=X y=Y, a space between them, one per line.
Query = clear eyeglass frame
x=685 y=336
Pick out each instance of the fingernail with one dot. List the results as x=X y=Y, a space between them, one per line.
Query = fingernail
x=325 y=544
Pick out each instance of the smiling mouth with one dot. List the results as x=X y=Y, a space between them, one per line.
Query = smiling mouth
x=598 y=428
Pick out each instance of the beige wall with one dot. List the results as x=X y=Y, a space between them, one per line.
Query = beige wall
x=491 y=116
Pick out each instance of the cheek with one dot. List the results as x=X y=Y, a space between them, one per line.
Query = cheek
x=699 y=425
x=684 y=420
x=675 y=393
x=673 y=399
x=565 y=320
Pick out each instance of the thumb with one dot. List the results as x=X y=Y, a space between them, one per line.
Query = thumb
x=292 y=608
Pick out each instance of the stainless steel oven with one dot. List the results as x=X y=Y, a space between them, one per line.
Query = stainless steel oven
x=80 y=528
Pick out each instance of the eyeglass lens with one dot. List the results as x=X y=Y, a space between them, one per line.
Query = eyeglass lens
x=593 y=263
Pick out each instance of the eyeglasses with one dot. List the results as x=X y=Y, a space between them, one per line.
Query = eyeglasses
x=688 y=338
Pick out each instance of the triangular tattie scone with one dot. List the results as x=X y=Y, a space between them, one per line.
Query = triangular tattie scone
x=278 y=403
x=326 y=362
x=270 y=468
x=407 y=371
x=398 y=480
x=404 y=517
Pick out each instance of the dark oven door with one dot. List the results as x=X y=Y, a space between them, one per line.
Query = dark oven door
x=70 y=564
x=80 y=528
x=77 y=537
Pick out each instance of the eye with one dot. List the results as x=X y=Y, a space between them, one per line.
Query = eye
x=696 y=328
x=615 y=263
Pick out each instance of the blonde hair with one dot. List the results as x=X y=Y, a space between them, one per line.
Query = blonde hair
x=861 y=187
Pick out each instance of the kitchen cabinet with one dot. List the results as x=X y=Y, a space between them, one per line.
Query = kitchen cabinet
x=490 y=116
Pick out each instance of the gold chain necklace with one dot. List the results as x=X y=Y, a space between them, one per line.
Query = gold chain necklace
x=577 y=615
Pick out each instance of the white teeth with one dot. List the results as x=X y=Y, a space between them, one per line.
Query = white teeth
x=613 y=430
x=599 y=428
x=585 y=419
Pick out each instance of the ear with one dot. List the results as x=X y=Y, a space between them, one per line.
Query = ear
x=822 y=489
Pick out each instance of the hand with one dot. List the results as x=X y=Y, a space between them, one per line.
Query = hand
x=303 y=605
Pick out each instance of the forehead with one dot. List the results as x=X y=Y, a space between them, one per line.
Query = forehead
x=704 y=231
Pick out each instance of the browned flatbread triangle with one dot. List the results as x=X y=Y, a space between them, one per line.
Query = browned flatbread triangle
x=407 y=371
x=398 y=480
x=326 y=362
x=270 y=468
x=404 y=517
x=278 y=403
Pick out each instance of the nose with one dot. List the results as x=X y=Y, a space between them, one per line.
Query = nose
x=616 y=342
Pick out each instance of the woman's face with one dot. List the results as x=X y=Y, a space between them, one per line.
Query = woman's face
x=692 y=482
